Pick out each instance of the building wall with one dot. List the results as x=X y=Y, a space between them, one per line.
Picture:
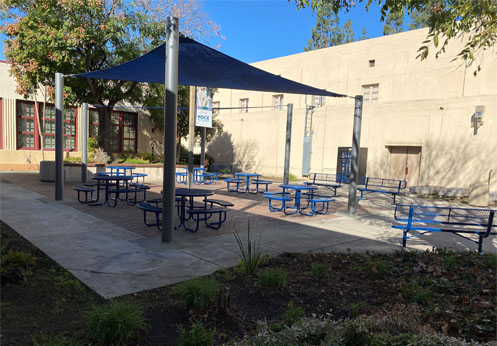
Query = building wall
x=28 y=160
x=427 y=104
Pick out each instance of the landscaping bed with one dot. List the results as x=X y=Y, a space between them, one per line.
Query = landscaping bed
x=452 y=293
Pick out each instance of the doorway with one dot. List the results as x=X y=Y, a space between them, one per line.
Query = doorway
x=404 y=163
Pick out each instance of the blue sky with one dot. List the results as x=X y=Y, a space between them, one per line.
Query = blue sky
x=255 y=30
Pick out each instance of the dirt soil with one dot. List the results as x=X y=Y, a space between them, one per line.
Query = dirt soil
x=455 y=291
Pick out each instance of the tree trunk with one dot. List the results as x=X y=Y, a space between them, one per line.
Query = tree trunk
x=104 y=126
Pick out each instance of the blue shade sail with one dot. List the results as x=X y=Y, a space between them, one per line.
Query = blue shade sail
x=200 y=65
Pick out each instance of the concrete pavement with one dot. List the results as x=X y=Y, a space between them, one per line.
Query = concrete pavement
x=112 y=252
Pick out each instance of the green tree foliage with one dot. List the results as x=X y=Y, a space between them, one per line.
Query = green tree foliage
x=394 y=23
x=328 y=32
x=364 y=35
x=154 y=97
x=75 y=36
x=473 y=20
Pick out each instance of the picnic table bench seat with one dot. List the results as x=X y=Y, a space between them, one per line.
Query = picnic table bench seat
x=219 y=202
x=282 y=197
x=205 y=214
x=322 y=201
x=391 y=187
x=326 y=180
x=85 y=190
x=149 y=208
x=258 y=182
x=236 y=181
x=130 y=200
x=462 y=222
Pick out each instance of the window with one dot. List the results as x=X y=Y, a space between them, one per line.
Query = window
x=122 y=134
x=48 y=127
x=372 y=63
x=318 y=101
x=370 y=93
x=93 y=115
x=244 y=105
x=215 y=108
x=277 y=102
x=26 y=126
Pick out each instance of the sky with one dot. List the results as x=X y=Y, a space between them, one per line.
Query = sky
x=255 y=30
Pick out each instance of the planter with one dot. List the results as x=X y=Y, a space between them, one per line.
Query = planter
x=47 y=171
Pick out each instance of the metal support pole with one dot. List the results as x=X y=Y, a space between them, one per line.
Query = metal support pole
x=59 y=136
x=191 y=134
x=84 y=141
x=288 y=142
x=170 y=101
x=356 y=144
x=202 y=146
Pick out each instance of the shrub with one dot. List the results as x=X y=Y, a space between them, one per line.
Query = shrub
x=320 y=270
x=293 y=314
x=292 y=177
x=355 y=334
x=197 y=293
x=449 y=263
x=250 y=255
x=99 y=156
x=378 y=266
x=72 y=159
x=17 y=261
x=116 y=322
x=135 y=160
x=356 y=308
x=273 y=278
x=412 y=291
x=55 y=341
x=92 y=144
x=197 y=336
x=147 y=156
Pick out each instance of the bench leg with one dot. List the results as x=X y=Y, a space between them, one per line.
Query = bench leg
x=404 y=240
x=480 y=245
x=217 y=225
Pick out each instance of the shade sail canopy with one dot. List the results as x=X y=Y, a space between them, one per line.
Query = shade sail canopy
x=200 y=65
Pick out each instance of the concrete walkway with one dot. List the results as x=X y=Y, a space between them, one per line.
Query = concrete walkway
x=116 y=259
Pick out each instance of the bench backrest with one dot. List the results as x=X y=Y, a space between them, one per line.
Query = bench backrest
x=326 y=177
x=445 y=215
x=386 y=183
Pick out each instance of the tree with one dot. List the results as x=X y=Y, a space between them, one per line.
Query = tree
x=328 y=32
x=394 y=22
x=155 y=96
x=74 y=36
x=364 y=35
x=474 y=20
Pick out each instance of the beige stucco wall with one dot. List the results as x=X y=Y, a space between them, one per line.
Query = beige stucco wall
x=421 y=103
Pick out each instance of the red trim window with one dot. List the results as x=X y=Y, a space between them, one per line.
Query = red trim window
x=93 y=115
x=69 y=126
x=27 y=126
x=123 y=130
x=27 y=137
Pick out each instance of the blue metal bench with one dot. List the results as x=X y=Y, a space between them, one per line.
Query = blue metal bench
x=318 y=200
x=149 y=208
x=326 y=180
x=236 y=181
x=182 y=177
x=86 y=190
x=385 y=186
x=259 y=182
x=277 y=196
x=205 y=214
x=459 y=221
x=218 y=202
